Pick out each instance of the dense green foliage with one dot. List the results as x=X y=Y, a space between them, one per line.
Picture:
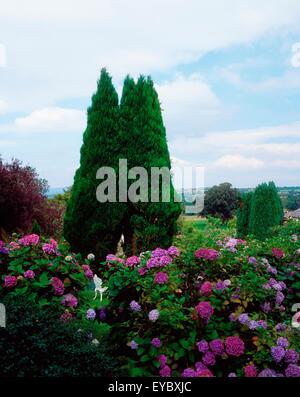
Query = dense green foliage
x=36 y=342
x=221 y=201
x=243 y=215
x=266 y=210
x=143 y=136
x=91 y=226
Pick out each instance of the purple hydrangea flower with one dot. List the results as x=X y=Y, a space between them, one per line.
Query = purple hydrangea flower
x=217 y=346
x=279 y=298
x=244 y=318
x=209 y=359
x=133 y=345
x=232 y=375
x=29 y=274
x=292 y=371
x=156 y=342
x=153 y=315
x=91 y=314
x=267 y=373
x=278 y=353
x=134 y=306
x=253 y=324
x=252 y=260
x=188 y=373
x=280 y=327
x=291 y=356
x=283 y=342
x=203 y=346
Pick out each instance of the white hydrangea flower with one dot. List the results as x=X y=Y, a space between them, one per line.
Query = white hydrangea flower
x=68 y=258
x=91 y=257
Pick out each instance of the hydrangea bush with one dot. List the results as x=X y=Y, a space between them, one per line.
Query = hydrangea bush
x=222 y=308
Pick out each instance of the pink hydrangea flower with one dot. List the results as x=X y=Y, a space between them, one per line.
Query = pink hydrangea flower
x=58 y=286
x=30 y=239
x=29 y=274
x=87 y=271
x=161 y=278
x=250 y=371
x=66 y=316
x=10 y=281
x=69 y=300
x=207 y=253
x=204 y=373
x=234 y=346
x=50 y=248
x=173 y=251
x=206 y=288
x=278 y=253
x=165 y=372
x=205 y=310
x=132 y=261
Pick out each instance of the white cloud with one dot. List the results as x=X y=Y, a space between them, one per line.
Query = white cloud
x=51 y=120
x=3 y=106
x=47 y=120
x=238 y=162
x=68 y=42
x=188 y=102
x=2 y=56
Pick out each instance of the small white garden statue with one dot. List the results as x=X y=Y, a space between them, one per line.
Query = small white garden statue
x=98 y=287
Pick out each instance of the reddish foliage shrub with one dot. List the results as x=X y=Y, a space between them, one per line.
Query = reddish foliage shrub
x=23 y=201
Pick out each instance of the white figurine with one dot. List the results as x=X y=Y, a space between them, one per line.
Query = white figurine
x=98 y=287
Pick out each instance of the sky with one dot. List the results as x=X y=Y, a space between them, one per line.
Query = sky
x=227 y=74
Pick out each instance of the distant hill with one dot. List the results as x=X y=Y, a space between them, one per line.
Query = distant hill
x=55 y=190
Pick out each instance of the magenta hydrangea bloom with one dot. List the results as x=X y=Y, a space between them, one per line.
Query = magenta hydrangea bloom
x=10 y=281
x=29 y=274
x=234 y=346
x=69 y=300
x=158 y=252
x=205 y=310
x=87 y=271
x=206 y=288
x=204 y=373
x=165 y=371
x=57 y=285
x=161 y=278
x=66 y=317
x=156 y=342
x=142 y=271
x=217 y=346
x=162 y=360
x=250 y=371
x=132 y=261
x=30 y=239
x=278 y=253
x=49 y=249
x=173 y=251
x=111 y=258
x=207 y=253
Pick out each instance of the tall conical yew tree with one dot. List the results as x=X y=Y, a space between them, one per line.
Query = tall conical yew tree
x=243 y=215
x=91 y=226
x=265 y=211
x=148 y=224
